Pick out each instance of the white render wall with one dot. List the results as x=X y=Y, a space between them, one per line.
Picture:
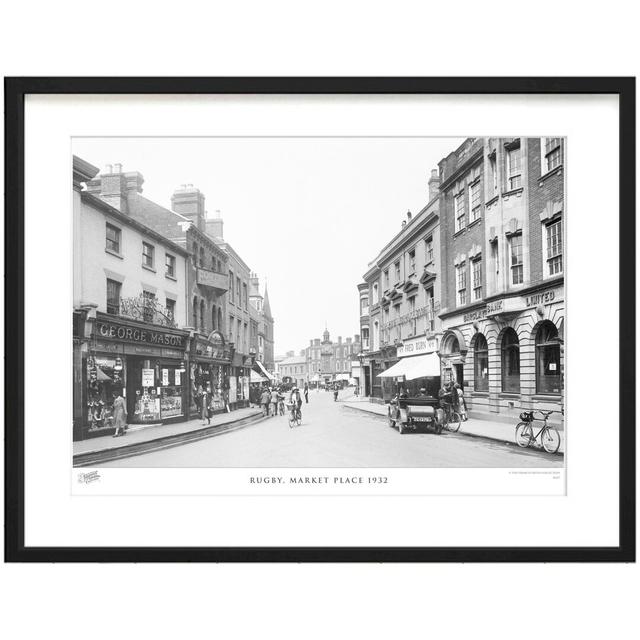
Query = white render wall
x=95 y=265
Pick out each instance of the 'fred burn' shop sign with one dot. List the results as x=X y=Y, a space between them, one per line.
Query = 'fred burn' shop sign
x=115 y=331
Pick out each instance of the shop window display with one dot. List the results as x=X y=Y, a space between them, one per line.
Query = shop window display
x=104 y=376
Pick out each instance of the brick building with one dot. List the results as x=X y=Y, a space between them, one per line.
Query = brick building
x=502 y=310
x=399 y=301
x=329 y=361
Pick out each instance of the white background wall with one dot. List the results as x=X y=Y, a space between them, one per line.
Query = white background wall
x=315 y=601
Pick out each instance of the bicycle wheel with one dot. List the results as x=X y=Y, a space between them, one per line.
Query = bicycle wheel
x=524 y=434
x=454 y=422
x=550 y=440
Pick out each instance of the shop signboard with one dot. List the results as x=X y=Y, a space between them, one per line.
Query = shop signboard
x=165 y=377
x=107 y=329
x=178 y=377
x=418 y=346
x=147 y=378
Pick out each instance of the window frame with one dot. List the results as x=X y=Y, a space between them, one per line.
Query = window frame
x=476 y=211
x=514 y=151
x=412 y=260
x=459 y=205
x=505 y=351
x=480 y=382
x=461 y=279
x=546 y=152
x=170 y=265
x=541 y=349
x=559 y=255
x=476 y=278
x=170 y=308
x=119 y=290
x=118 y=231
x=517 y=267
x=148 y=256
x=428 y=250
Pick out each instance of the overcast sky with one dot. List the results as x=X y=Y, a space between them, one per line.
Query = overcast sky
x=306 y=214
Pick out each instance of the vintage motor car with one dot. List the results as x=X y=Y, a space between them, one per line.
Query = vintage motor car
x=414 y=412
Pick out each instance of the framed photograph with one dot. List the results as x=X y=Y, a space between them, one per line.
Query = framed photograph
x=320 y=319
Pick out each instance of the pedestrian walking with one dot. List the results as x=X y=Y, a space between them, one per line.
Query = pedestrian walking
x=205 y=402
x=265 y=399
x=462 y=405
x=119 y=413
x=274 y=401
x=306 y=393
x=335 y=393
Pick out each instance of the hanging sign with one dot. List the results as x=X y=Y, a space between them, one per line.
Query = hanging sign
x=148 y=377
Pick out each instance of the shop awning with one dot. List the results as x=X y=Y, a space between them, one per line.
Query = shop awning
x=424 y=366
x=414 y=367
x=395 y=371
x=256 y=377
x=264 y=371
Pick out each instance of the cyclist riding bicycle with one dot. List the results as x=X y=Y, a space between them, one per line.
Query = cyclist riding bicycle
x=295 y=399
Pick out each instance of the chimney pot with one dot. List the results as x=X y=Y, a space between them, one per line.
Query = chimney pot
x=408 y=215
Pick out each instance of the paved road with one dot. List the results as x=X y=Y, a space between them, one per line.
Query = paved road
x=333 y=435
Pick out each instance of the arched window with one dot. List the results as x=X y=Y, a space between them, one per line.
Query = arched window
x=213 y=317
x=219 y=325
x=547 y=359
x=195 y=254
x=202 y=325
x=201 y=257
x=195 y=312
x=510 y=360
x=481 y=364
x=453 y=346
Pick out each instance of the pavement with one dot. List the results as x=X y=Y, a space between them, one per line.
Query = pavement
x=148 y=434
x=476 y=427
x=335 y=435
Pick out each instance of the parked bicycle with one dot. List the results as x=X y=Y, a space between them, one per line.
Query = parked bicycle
x=452 y=419
x=549 y=436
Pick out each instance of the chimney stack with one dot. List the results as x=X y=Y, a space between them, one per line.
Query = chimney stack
x=434 y=184
x=111 y=186
x=215 y=226
x=189 y=202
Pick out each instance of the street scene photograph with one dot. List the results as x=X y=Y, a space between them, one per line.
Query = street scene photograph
x=319 y=302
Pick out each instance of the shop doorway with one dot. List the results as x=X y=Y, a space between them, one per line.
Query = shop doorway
x=459 y=367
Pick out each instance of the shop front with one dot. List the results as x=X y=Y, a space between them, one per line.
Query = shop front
x=382 y=388
x=144 y=363
x=418 y=367
x=239 y=380
x=508 y=354
x=210 y=368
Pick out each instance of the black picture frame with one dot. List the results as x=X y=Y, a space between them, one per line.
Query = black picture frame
x=15 y=91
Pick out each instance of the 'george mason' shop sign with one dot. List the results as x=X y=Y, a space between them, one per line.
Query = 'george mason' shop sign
x=113 y=330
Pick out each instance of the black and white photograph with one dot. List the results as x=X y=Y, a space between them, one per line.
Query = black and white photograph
x=319 y=302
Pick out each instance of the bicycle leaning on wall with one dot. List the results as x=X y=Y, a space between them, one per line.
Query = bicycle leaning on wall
x=549 y=436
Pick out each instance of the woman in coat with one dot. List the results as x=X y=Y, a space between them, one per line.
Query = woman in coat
x=205 y=401
x=119 y=413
